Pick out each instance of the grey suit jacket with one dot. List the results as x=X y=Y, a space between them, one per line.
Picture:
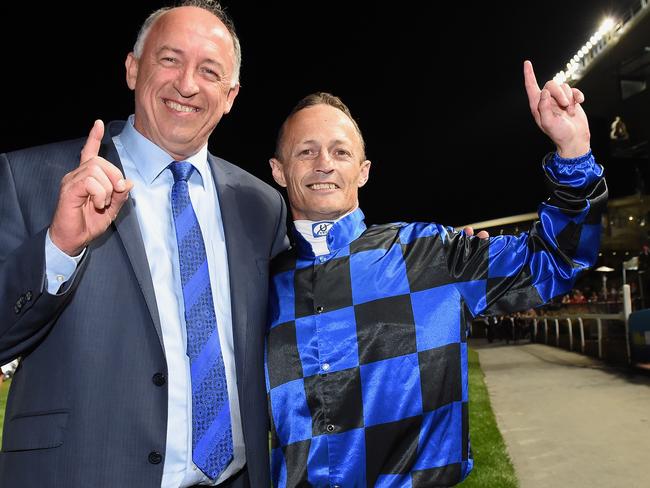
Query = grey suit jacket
x=88 y=404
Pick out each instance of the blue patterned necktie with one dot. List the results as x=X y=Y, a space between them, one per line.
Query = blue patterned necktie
x=212 y=448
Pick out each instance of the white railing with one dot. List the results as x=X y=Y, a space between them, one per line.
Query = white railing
x=570 y=319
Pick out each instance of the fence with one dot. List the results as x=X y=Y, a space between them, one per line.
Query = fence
x=601 y=335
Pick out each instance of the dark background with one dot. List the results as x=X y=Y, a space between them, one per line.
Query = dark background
x=438 y=92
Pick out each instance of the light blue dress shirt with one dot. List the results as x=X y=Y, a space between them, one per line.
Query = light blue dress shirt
x=146 y=165
x=59 y=267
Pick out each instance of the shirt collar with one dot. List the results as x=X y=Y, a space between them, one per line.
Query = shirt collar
x=150 y=160
x=342 y=233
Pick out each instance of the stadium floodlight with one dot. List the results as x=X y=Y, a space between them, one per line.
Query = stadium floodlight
x=577 y=65
x=607 y=25
x=559 y=78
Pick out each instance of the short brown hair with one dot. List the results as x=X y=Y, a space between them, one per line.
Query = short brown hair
x=319 y=98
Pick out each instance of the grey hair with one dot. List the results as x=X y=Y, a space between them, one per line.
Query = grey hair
x=212 y=6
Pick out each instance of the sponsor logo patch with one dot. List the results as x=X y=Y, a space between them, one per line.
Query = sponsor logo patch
x=320 y=229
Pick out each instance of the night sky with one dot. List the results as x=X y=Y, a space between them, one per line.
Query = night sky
x=402 y=70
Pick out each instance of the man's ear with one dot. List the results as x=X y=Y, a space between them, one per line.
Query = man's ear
x=230 y=99
x=277 y=172
x=365 y=173
x=131 y=64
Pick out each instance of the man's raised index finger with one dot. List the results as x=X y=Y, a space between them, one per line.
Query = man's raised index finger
x=530 y=81
x=94 y=142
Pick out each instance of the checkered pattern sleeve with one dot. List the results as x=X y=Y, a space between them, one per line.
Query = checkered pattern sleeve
x=507 y=273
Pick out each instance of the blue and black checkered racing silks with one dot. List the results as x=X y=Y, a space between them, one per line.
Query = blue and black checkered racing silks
x=366 y=357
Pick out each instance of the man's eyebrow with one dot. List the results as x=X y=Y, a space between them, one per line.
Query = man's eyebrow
x=215 y=63
x=339 y=141
x=181 y=52
x=169 y=48
x=330 y=143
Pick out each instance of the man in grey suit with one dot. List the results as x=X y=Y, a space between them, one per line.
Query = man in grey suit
x=118 y=385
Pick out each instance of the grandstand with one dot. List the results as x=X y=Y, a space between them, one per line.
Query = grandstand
x=612 y=68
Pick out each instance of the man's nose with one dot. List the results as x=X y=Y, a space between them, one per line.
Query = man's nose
x=324 y=162
x=185 y=83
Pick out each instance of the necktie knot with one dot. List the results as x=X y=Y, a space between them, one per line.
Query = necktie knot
x=182 y=170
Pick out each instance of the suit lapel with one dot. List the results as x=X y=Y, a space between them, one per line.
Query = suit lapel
x=227 y=191
x=128 y=229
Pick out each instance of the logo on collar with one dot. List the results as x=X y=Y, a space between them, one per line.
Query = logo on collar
x=320 y=229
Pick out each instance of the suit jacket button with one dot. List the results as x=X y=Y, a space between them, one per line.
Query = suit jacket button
x=155 y=457
x=159 y=379
x=28 y=296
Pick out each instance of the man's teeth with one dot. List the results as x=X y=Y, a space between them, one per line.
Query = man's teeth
x=323 y=186
x=180 y=108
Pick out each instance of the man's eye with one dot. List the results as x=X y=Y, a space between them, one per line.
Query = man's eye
x=343 y=153
x=169 y=60
x=306 y=152
x=210 y=73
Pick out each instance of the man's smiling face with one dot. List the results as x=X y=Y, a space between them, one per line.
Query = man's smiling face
x=183 y=80
x=321 y=164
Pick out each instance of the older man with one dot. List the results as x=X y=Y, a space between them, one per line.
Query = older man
x=140 y=322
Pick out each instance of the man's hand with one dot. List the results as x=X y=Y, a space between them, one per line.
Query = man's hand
x=557 y=111
x=89 y=199
x=470 y=232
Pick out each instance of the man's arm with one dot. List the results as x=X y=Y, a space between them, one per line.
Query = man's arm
x=508 y=273
x=89 y=199
x=26 y=310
